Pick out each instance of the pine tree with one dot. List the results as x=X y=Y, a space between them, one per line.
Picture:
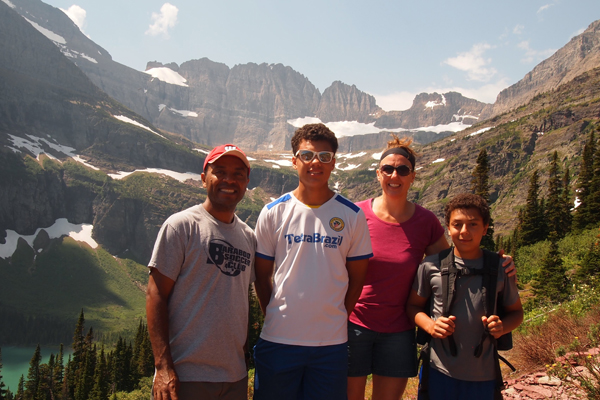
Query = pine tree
x=480 y=186
x=554 y=209
x=3 y=391
x=67 y=378
x=590 y=265
x=551 y=283
x=44 y=387
x=593 y=207
x=33 y=376
x=100 y=389
x=566 y=202
x=584 y=182
x=532 y=227
x=58 y=373
x=544 y=232
x=20 y=395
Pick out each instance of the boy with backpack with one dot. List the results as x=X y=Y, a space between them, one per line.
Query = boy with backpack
x=468 y=290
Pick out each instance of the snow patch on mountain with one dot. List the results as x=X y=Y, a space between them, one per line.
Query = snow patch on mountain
x=47 y=32
x=130 y=121
x=283 y=163
x=60 y=228
x=180 y=176
x=353 y=128
x=167 y=75
x=431 y=104
x=184 y=113
x=350 y=155
x=36 y=145
x=348 y=167
x=482 y=130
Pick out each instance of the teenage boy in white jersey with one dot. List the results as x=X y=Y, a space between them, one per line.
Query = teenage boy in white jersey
x=311 y=261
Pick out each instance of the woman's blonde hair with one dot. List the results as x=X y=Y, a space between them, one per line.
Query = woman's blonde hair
x=404 y=144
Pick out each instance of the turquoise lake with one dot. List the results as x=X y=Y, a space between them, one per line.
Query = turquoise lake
x=15 y=362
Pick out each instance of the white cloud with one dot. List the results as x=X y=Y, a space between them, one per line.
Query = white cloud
x=532 y=55
x=544 y=8
x=163 y=21
x=397 y=101
x=518 y=29
x=579 y=32
x=473 y=63
x=77 y=15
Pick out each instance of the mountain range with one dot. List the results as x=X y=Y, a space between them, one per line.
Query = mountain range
x=209 y=103
x=75 y=125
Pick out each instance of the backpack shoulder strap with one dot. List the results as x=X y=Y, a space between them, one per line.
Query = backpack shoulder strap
x=490 y=280
x=448 y=272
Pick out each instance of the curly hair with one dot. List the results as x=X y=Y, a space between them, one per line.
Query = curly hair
x=404 y=144
x=466 y=201
x=314 y=132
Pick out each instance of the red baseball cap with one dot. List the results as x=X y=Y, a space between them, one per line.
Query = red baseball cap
x=226 y=150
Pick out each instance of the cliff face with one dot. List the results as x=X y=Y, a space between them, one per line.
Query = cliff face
x=581 y=54
x=341 y=102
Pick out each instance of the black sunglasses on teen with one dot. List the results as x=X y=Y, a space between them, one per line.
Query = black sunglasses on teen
x=402 y=170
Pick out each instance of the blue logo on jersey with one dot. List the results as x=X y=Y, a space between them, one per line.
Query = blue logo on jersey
x=328 y=241
x=230 y=260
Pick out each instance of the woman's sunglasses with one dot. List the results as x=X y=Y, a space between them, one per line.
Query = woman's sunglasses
x=308 y=155
x=402 y=170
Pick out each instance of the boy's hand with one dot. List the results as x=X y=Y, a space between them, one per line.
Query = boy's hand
x=494 y=325
x=443 y=327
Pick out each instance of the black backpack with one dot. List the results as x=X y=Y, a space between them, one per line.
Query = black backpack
x=449 y=274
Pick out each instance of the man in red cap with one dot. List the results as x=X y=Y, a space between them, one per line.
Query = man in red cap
x=197 y=298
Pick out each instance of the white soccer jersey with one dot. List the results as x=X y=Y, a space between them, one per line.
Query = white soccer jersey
x=310 y=247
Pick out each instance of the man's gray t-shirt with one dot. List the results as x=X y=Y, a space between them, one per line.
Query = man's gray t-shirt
x=212 y=264
x=468 y=309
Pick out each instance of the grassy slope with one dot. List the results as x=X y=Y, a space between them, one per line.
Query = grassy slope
x=69 y=276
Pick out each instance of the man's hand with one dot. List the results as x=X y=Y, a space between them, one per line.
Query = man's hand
x=494 y=325
x=166 y=385
x=443 y=327
x=508 y=264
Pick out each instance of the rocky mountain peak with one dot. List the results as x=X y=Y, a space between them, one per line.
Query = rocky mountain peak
x=342 y=102
x=581 y=54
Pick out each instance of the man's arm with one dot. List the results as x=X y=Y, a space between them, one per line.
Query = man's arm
x=166 y=381
x=437 y=247
x=264 y=281
x=357 y=270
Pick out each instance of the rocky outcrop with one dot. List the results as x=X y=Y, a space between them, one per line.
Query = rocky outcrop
x=581 y=54
x=431 y=109
x=32 y=197
x=341 y=102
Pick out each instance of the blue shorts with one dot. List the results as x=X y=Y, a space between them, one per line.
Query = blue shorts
x=443 y=387
x=385 y=354
x=300 y=372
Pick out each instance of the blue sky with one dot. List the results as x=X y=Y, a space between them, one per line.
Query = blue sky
x=392 y=50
